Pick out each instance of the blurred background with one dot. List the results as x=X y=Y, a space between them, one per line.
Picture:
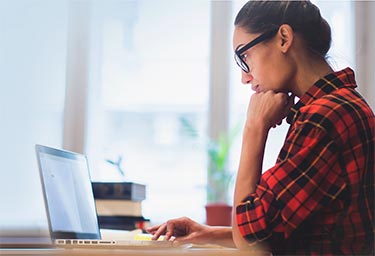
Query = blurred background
x=122 y=78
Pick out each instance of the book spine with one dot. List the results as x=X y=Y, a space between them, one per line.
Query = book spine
x=119 y=190
x=109 y=207
x=123 y=222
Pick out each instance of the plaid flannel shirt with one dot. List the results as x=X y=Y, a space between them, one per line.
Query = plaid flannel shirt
x=319 y=197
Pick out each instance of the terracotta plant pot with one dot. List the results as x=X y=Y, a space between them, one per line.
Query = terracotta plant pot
x=218 y=214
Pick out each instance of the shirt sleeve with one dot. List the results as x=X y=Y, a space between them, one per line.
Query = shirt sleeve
x=308 y=179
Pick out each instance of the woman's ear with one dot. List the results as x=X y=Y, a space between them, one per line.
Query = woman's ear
x=286 y=35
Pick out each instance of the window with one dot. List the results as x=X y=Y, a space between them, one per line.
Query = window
x=153 y=73
x=340 y=16
x=149 y=67
x=32 y=82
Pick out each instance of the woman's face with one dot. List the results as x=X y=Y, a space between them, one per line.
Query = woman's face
x=269 y=68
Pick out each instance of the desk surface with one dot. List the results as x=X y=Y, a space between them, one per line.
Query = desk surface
x=138 y=252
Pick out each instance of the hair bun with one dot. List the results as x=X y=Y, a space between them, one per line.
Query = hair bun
x=303 y=16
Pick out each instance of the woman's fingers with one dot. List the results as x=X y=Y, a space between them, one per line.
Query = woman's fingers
x=160 y=231
x=169 y=230
x=152 y=229
x=181 y=228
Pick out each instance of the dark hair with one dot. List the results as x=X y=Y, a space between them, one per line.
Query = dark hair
x=303 y=16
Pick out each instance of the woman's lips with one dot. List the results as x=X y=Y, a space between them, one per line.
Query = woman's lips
x=256 y=89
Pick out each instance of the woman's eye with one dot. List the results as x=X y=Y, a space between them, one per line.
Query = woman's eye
x=243 y=57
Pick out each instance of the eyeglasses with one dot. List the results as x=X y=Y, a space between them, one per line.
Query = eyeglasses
x=238 y=53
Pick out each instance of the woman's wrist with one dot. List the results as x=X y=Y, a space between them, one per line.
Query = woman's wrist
x=221 y=236
x=255 y=130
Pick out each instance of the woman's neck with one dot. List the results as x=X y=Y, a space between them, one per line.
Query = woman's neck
x=308 y=73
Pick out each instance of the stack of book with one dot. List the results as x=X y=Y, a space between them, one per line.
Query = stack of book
x=119 y=205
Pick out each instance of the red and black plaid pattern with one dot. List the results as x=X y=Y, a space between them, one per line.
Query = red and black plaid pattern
x=319 y=197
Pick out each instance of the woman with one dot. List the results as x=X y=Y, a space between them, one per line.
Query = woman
x=319 y=196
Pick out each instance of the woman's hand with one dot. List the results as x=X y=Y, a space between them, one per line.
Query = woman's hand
x=185 y=230
x=182 y=229
x=269 y=108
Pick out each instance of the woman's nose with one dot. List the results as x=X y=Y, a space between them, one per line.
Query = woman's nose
x=246 y=77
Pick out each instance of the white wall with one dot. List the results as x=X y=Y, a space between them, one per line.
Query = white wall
x=32 y=84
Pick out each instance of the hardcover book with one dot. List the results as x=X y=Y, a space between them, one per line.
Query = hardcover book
x=123 y=222
x=119 y=190
x=116 y=207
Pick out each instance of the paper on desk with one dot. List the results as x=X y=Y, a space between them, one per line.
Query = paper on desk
x=112 y=234
x=136 y=234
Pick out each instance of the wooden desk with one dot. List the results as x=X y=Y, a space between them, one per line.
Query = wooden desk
x=139 y=252
x=46 y=249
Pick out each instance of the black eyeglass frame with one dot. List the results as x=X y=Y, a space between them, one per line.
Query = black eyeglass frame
x=238 y=52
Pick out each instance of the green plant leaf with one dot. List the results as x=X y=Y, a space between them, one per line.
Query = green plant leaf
x=219 y=177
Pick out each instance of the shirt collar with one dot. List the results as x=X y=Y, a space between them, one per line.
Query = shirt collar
x=324 y=86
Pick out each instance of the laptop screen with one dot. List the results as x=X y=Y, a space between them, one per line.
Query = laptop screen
x=68 y=194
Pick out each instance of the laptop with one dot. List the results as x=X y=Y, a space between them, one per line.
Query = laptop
x=70 y=204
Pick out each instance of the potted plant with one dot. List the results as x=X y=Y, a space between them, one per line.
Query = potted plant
x=118 y=165
x=219 y=180
x=219 y=177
